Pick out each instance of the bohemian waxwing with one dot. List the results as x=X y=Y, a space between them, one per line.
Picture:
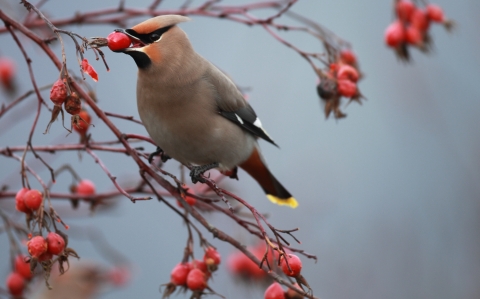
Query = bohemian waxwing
x=193 y=111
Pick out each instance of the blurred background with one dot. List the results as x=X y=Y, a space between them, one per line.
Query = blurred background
x=389 y=196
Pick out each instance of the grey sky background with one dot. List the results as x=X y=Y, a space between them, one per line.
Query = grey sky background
x=389 y=196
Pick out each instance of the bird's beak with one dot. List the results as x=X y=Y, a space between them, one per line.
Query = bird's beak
x=135 y=41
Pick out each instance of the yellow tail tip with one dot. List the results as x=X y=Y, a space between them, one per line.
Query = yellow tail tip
x=291 y=201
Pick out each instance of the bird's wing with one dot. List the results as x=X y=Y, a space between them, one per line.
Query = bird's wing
x=233 y=106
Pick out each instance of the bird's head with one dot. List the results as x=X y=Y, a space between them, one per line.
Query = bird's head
x=156 y=40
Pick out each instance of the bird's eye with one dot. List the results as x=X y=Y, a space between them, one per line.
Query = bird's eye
x=154 y=37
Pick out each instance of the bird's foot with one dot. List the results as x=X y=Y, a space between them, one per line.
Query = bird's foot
x=197 y=171
x=158 y=152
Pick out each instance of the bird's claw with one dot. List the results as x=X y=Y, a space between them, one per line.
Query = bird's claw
x=197 y=171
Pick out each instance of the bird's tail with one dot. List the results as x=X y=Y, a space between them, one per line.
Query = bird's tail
x=276 y=193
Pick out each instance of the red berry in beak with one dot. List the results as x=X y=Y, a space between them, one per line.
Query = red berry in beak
x=118 y=41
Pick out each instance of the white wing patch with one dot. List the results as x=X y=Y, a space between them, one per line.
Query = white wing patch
x=240 y=120
x=258 y=123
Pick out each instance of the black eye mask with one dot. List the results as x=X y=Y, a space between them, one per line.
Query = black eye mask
x=148 y=38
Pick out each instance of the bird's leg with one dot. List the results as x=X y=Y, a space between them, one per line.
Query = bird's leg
x=197 y=171
x=158 y=152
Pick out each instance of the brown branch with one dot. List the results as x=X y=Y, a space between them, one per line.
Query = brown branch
x=112 y=178
x=131 y=118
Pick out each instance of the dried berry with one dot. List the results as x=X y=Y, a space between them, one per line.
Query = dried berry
x=58 y=93
x=72 y=104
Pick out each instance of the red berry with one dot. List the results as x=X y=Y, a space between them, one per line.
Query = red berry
x=86 y=187
x=213 y=255
x=118 y=41
x=347 y=72
x=83 y=123
x=55 y=243
x=404 y=9
x=179 y=274
x=15 y=284
x=88 y=68
x=20 y=201
x=435 y=13
x=196 y=280
x=413 y=35
x=33 y=199
x=7 y=72
x=295 y=265
x=346 y=88
x=189 y=199
x=274 y=291
x=37 y=246
x=45 y=257
x=395 y=34
x=348 y=57
x=198 y=264
x=420 y=20
x=58 y=93
x=22 y=267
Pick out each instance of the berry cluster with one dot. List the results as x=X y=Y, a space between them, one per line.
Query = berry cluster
x=61 y=94
x=194 y=275
x=240 y=265
x=339 y=80
x=40 y=250
x=411 y=27
x=28 y=201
